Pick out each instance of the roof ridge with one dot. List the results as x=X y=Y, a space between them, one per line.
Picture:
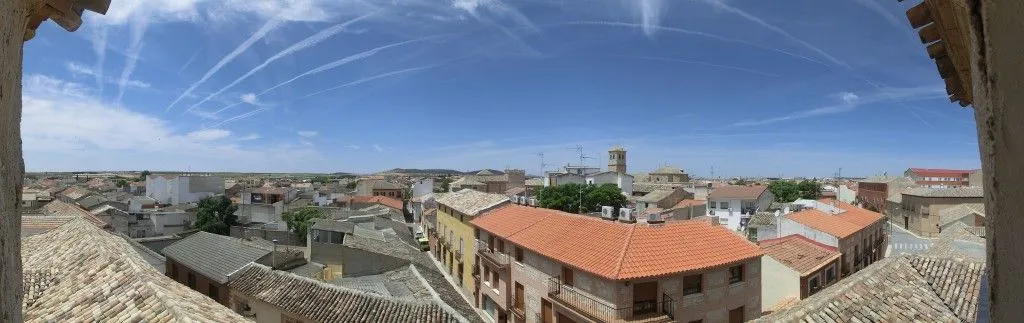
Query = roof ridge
x=622 y=254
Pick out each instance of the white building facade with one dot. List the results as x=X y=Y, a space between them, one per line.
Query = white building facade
x=175 y=190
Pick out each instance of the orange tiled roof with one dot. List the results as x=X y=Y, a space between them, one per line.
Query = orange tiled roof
x=859 y=216
x=825 y=222
x=800 y=253
x=382 y=200
x=616 y=250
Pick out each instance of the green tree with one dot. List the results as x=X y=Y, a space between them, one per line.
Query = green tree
x=809 y=189
x=784 y=191
x=352 y=185
x=739 y=182
x=143 y=174
x=445 y=185
x=298 y=220
x=121 y=182
x=567 y=197
x=216 y=214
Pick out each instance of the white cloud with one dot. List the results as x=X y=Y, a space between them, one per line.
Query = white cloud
x=650 y=12
x=190 y=10
x=251 y=136
x=250 y=98
x=209 y=134
x=308 y=133
x=378 y=148
x=848 y=98
x=62 y=118
x=353 y=147
x=306 y=143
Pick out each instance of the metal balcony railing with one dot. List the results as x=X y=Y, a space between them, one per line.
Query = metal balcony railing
x=668 y=306
x=499 y=259
x=601 y=311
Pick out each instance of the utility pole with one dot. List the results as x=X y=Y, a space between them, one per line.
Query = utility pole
x=582 y=165
x=19 y=20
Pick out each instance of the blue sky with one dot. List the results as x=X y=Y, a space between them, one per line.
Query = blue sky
x=751 y=88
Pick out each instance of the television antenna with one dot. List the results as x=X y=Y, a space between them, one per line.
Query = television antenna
x=583 y=157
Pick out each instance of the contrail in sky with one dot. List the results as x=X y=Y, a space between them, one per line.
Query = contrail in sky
x=759 y=21
x=332 y=65
x=267 y=27
x=695 y=33
x=367 y=79
x=346 y=60
x=356 y=82
x=303 y=44
x=697 y=63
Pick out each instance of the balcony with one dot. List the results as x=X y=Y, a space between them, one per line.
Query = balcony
x=641 y=312
x=497 y=259
x=457 y=255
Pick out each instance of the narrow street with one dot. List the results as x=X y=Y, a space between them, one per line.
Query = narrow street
x=903 y=241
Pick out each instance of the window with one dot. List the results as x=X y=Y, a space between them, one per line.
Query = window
x=735 y=274
x=713 y=205
x=693 y=284
x=461 y=250
x=174 y=271
x=501 y=246
x=519 y=296
x=567 y=276
x=519 y=254
x=191 y=280
x=723 y=205
x=814 y=285
x=494 y=279
x=830 y=275
x=213 y=292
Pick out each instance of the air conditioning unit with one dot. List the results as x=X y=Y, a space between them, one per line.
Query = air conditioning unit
x=626 y=215
x=608 y=212
x=514 y=199
x=654 y=218
x=522 y=200
x=532 y=201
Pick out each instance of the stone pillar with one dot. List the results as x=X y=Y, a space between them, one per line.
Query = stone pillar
x=998 y=81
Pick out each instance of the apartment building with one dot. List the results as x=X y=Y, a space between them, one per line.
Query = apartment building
x=735 y=204
x=454 y=235
x=856 y=232
x=920 y=208
x=172 y=189
x=875 y=192
x=379 y=188
x=543 y=265
x=939 y=178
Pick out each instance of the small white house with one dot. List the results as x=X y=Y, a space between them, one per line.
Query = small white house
x=623 y=181
x=734 y=205
x=174 y=190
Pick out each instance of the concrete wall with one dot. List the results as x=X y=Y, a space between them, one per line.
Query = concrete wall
x=358 y=262
x=203 y=283
x=787 y=227
x=719 y=296
x=923 y=212
x=784 y=282
x=846 y=195
x=856 y=244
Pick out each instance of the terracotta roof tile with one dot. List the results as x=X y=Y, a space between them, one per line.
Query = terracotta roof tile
x=617 y=250
x=800 y=253
x=859 y=216
x=382 y=200
x=824 y=222
x=939 y=171
x=738 y=192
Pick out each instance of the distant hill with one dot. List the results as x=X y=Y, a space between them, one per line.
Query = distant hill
x=416 y=171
